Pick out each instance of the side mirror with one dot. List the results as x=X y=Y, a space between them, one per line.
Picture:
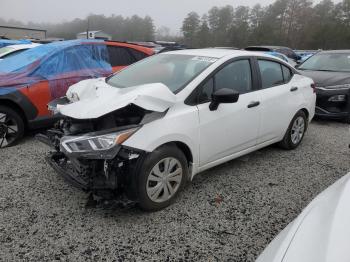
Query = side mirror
x=223 y=95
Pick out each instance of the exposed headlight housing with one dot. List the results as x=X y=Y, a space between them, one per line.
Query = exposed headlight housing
x=97 y=143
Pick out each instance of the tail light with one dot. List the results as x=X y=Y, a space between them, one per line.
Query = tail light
x=313 y=87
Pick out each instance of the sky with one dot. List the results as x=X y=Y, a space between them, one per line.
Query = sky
x=169 y=13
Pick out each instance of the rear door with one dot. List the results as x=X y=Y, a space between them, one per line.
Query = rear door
x=232 y=127
x=280 y=99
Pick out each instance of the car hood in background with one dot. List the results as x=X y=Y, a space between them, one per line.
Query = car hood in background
x=321 y=233
x=324 y=78
x=95 y=98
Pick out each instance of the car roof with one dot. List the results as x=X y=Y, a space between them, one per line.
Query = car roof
x=215 y=52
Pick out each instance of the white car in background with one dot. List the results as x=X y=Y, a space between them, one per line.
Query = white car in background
x=149 y=128
x=321 y=233
x=12 y=50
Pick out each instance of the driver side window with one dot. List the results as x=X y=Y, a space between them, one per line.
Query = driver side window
x=236 y=76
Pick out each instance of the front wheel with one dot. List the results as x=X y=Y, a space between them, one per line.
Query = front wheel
x=163 y=175
x=11 y=127
x=295 y=132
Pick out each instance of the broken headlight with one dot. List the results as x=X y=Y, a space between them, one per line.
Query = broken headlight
x=87 y=143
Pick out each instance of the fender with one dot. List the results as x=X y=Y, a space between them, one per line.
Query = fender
x=14 y=96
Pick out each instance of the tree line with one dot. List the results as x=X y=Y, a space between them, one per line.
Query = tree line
x=295 y=23
x=298 y=24
x=134 y=28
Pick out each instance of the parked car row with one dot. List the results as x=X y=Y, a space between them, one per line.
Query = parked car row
x=146 y=130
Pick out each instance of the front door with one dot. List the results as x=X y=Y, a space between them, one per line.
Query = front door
x=232 y=127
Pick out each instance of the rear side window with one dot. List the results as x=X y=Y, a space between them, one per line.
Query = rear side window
x=271 y=73
x=120 y=56
x=137 y=54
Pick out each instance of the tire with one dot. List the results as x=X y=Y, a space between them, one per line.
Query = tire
x=291 y=140
x=347 y=120
x=11 y=127
x=158 y=181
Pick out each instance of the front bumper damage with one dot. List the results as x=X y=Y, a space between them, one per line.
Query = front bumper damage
x=106 y=178
x=332 y=109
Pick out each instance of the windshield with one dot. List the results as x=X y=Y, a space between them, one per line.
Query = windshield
x=4 y=50
x=20 y=61
x=172 y=70
x=13 y=53
x=337 y=62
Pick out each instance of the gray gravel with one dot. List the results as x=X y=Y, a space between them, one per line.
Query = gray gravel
x=230 y=212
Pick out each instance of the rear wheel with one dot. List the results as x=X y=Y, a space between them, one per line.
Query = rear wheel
x=11 y=127
x=295 y=132
x=162 y=177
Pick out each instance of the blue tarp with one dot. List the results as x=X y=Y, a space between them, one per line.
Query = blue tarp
x=60 y=63
x=60 y=57
x=5 y=42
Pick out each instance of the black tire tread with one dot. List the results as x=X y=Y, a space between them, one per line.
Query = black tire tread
x=19 y=120
x=286 y=142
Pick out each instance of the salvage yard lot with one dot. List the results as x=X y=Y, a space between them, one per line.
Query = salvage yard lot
x=230 y=212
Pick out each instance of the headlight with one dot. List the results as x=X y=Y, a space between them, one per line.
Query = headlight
x=87 y=143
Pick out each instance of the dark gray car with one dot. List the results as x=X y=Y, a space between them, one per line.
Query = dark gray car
x=331 y=72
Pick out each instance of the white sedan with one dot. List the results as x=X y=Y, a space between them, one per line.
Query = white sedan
x=12 y=50
x=321 y=233
x=148 y=129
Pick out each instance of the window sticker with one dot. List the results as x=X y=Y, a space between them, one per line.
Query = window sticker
x=205 y=59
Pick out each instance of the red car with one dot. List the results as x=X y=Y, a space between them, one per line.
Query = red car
x=30 y=80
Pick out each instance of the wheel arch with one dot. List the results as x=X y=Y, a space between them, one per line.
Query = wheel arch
x=183 y=147
x=306 y=112
x=15 y=106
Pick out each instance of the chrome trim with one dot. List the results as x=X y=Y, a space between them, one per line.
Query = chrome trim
x=337 y=87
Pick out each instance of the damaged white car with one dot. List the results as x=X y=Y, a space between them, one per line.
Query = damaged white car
x=145 y=131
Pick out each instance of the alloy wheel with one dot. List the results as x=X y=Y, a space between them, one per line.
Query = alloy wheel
x=8 y=130
x=164 y=180
x=298 y=130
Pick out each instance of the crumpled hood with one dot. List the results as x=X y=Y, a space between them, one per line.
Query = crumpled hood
x=94 y=98
x=323 y=78
x=320 y=233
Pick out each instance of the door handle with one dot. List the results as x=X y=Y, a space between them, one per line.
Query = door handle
x=293 y=89
x=253 y=104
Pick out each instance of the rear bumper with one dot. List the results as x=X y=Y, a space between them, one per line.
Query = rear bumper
x=332 y=109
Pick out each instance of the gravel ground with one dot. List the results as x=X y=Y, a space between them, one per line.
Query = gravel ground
x=228 y=213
